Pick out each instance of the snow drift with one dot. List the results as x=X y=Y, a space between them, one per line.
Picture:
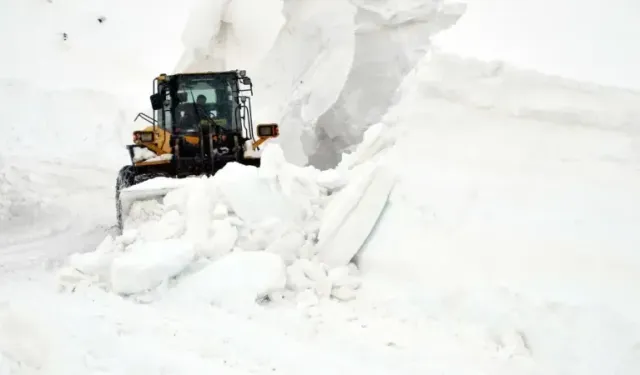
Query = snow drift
x=506 y=90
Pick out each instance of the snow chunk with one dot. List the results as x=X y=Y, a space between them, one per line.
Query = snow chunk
x=142 y=153
x=148 y=265
x=224 y=238
x=250 y=197
x=97 y=262
x=350 y=217
x=234 y=281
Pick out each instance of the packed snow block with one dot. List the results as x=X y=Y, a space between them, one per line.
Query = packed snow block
x=234 y=281
x=352 y=215
x=250 y=197
x=147 y=265
x=288 y=245
x=221 y=241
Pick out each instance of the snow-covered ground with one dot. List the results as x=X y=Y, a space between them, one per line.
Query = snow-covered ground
x=507 y=245
x=591 y=40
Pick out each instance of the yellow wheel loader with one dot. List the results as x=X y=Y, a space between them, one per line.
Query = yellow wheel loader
x=200 y=122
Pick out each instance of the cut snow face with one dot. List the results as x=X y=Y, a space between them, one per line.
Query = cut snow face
x=246 y=234
x=316 y=64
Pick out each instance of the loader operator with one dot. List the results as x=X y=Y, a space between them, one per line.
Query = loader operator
x=218 y=112
x=201 y=101
x=189 y=115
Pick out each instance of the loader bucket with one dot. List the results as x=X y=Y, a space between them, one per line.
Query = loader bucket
x=155 y=188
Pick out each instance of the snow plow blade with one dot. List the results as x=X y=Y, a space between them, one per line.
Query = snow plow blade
x=155 y=189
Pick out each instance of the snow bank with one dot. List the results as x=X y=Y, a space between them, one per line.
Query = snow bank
x=312 y=60
x=504 y=89
x=80 y=126
x=245 y=234
x=103 y=56
x=548 y=36
x=391 y=37
x=516 y=223
x=73 y=84
x=510 y=200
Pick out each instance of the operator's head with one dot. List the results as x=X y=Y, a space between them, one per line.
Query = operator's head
x=201 y=99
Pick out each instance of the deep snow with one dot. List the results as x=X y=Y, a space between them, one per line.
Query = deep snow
x=508 y=244
x=593 y=40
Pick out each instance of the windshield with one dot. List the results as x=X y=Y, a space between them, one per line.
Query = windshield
x=204 y=97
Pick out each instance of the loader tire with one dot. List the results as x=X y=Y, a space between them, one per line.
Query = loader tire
x=126 y=178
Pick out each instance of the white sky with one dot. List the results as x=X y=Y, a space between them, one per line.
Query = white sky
x=595 y=40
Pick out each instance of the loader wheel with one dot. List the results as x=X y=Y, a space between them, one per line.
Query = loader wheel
x=126 y=178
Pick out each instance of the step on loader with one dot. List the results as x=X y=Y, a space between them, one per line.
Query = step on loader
x=200 y=122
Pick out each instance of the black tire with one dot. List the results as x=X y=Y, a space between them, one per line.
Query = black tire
x=126 y=178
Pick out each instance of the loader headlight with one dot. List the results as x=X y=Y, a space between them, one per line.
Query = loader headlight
x=143 y=136
x=268 y=130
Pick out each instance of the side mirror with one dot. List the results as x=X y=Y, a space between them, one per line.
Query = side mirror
x=268 y=130
x=156 y=101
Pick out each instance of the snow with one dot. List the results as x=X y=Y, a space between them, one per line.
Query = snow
x=311 y=63
x=518 y=220
x=506 y=90
x=98 y=126
x=105 y=57
x=592 y=40
x=148 y=265
x=143 y=154
x=351 y=215
x=506 y=242
x=218 y=283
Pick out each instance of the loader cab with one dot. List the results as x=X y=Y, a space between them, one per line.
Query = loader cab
x=179 y=108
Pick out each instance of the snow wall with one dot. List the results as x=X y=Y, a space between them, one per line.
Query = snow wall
x=548 y=36
x=323 y=70
x=80 y=72
x=312 y=61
